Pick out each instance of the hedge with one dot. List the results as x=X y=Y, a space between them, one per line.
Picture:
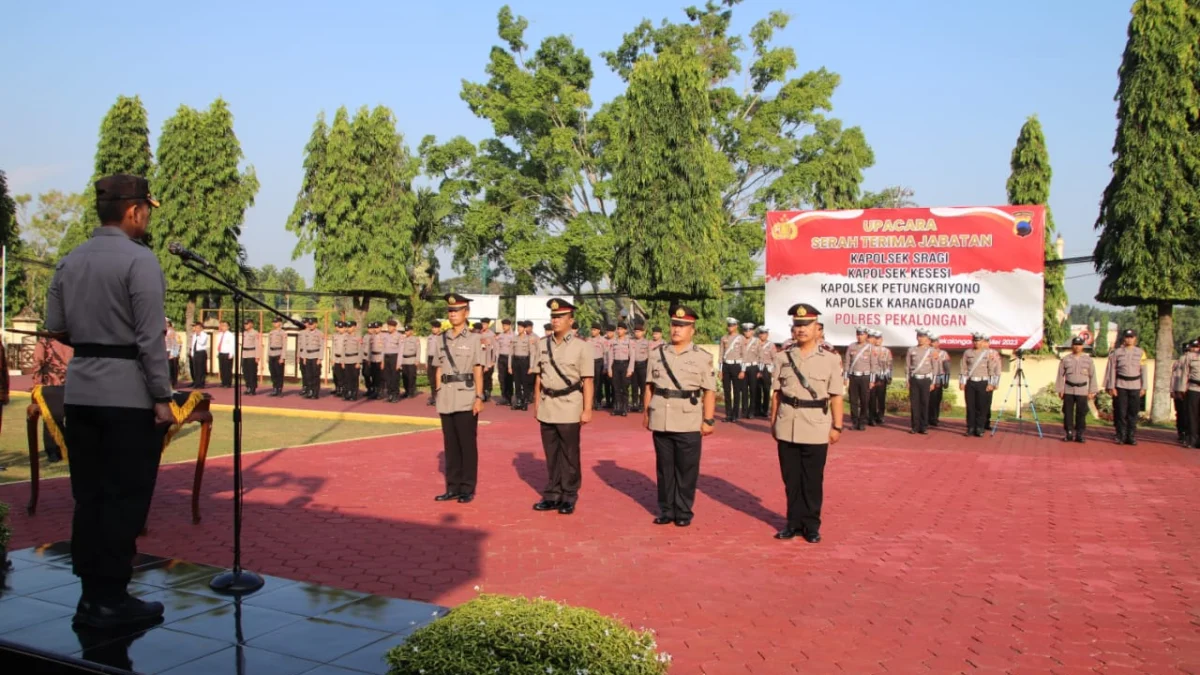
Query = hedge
x=897 y=397
x=517 y=636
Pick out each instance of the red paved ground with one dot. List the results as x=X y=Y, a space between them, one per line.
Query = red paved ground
x=941 y=554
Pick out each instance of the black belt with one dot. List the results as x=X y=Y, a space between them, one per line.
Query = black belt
x=94 y=351
x=805 y=403
x=555 y=393
x=469 y=378
x=693 y=394
x=1075 y=384
x=1129 y=378
x=520 y=356
x=1195 y=382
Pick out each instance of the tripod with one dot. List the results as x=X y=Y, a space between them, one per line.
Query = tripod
x=237 y=580
x=1021 y=386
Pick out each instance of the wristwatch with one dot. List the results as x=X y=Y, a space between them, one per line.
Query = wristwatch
x=710 y=422
x=837 y=429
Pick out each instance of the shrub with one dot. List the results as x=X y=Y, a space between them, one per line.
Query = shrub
x=897 y=397
x=1104 y=405
x=516 y=636
x=1046 y=400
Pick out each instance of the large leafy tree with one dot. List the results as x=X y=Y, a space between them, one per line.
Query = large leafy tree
x=124 y=147
x=355 y=207
x=1029 y=183
x=669 y=225
x=42 y=232
x=204 y=195
x=10 y=240
x=1148 y=252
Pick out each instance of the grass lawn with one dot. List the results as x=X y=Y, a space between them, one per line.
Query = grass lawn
x=259 y=432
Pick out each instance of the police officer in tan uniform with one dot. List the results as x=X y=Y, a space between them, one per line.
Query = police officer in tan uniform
x=680 y=401
x=881 y=361
x=806 y=417
x=487 y=338
x=520 y=364
x=760 y=399
x=312 y=349
x=393 y=338
x=562 y=404
x=504 y=340
x=251 y=352
x=435 y=334
x=641 y=358
x=351 y=360
x=920 y=364
x=1187 y=386
x=979 y=376
x=1125 y=380
x=459 y=360
x=276 y=348
x=410 y=356
x=858 y=378
x=1076 y=385
x=732 y=375
x=941 y=378
x=656 y=341
x=337 y=355
x=619 y=364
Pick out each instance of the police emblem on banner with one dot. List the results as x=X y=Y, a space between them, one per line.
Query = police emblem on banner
x=1023 y=223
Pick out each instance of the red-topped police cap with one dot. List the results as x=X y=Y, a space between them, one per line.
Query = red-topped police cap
x=559 y=307
x=803 y=313
x=456 y=301
x=682 y=315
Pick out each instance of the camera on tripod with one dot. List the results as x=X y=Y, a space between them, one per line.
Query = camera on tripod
x=1020 y=353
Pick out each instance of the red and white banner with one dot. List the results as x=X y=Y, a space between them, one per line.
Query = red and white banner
x=953 y=271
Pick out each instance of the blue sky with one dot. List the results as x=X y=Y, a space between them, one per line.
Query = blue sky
x=940 y=87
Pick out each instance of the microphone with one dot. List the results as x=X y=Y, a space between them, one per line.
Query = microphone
x=176 y=248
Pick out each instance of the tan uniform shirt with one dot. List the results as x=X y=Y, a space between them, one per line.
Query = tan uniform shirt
x=920 y=363
x=410 y=350
x=1125 y=369
x=313 y=345
x=429 y=347
x=641 y=350
x=575 y=361
x=1189 y=372
x=858 y=359
x=487 y=340
x=504 y=343
x=1076 y=376
x=375 y=354
x=694 y=370
x=391 y=344
x=599 y=346
x=766 y=356
x=337 y=348
x=276 y=343
x=352 y=346
x=980 y=365
x=750 y=357
x=733 y=349
x=522 y=346
x=467 y=352
x=251 y=344
x=620 y=349
x=823 y=371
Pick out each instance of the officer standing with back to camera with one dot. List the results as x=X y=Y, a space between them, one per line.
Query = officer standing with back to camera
x=458 y=361
x=1075 y=385
x=680 y=402
x=1125 y=380
x=858 y=378
x=562 y=404
x=806 y=417
x=979 y=376
x=276 y=347
x=106 y=299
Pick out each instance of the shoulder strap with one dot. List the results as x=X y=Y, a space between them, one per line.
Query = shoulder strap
x=550 y=355
x=855 y=359
x=978 y=360
x=446 y=351
x=799 y=375
x=662 y=354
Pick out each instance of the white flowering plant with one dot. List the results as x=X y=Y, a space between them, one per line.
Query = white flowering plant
x=518 y=636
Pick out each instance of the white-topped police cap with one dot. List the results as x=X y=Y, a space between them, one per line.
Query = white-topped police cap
x=932 y=336
x=749 y=325
x=730 y=321
x=861 y=330
x=922 y=331
x=763 y=329
x=976 y=335
x=875 y=332
x=984 y=336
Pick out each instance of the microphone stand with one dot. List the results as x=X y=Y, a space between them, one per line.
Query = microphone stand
x=237 y=580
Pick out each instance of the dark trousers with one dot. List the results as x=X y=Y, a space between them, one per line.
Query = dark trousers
x=637 y=387
x=377 y=377
x=935 y=405
x=173 y=369
x=462 y=453
x=1192 y=403
x=607 y=383
x=1181 y=416
x=803 y=469
x=1075 y=410
x=506 y=380
x=250 y=374
x=732 y=389
x=312 y=376
x=371 y=376
x=877 y=402
x=598 y=392
x=561 y=443
x=409 y=371
x=764 y=392
x=391 y=375
x=198 y=365
x=350 y=379
x=275 y=365
x=339 y=378
x=114 y=463
x=621 y=385
x=677 y=460
x=488 y=373
x=860 y=392
x=522 y=385
x=751 y=393
x=429 y=369
x=977 y=403
x=225 y=363
x=1125 y=412
x=918 y=400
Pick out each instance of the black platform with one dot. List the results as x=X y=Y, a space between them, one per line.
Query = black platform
x=287 y=628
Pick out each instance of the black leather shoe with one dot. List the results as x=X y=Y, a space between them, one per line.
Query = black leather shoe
x=446 y=497
x=663 y=520
x=546 y=505
x=786 y=533
x=129 y=611
x=924 y=432
x=812 y=537
x=1069 y=437
x=683 y=522
x=466 y=499
x=1131 y=441
x=1079 y=438
x=566 y=509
